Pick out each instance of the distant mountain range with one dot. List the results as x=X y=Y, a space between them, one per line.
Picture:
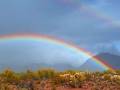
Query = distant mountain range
x=112 y=60
x=89 y=65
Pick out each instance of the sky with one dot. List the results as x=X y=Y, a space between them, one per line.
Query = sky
x=91 y=24
x=86 y=23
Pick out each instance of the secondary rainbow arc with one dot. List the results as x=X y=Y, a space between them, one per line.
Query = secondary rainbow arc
x=90 y=11
x=54 y=40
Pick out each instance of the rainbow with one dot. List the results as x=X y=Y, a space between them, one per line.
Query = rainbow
x=92 y=12
x=107 y=20
x=46 y=38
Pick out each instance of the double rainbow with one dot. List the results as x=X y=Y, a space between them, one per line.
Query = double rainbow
x=50 y=39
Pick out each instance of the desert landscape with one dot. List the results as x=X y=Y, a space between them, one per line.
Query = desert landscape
x=59 y=44
x=49 y=79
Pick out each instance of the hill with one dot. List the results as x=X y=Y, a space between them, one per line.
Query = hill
x=112 y=60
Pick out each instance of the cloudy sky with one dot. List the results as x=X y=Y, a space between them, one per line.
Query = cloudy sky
x=83 y=22
x=90 y=24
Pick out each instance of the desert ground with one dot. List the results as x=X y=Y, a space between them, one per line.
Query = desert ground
x=49 y=79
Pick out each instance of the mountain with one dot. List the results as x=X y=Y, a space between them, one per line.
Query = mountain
x=89 y=65
x=57 y=66
x=111 y=59
x=35 y=66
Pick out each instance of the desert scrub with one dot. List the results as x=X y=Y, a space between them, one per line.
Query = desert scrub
x=9 y=76
x=72 y=80
x=52 y=79
x=46 y=73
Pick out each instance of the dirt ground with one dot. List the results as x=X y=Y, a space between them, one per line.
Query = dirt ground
x=61 y=88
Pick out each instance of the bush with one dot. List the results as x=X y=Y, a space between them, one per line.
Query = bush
x=46 y=73
x=73 y=80
x=9 y=75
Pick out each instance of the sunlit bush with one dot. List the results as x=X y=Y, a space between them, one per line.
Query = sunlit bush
x=72 y=79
